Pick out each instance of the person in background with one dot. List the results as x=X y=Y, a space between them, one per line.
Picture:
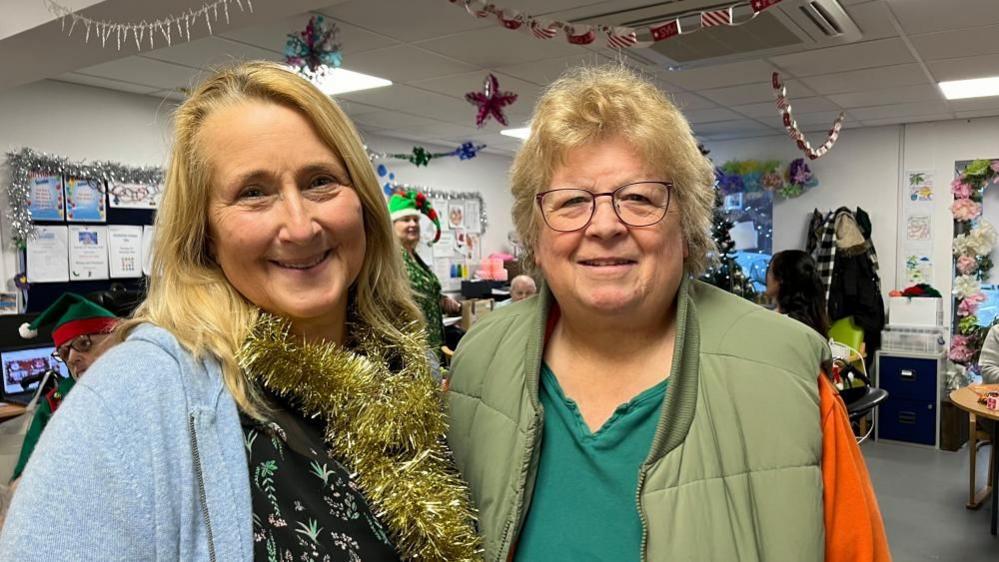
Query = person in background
x=793 y=283
x=273 y=397
x=630 y=412
x=989 y=358
x=521 y=287
x=405 y=210
x=81 y=331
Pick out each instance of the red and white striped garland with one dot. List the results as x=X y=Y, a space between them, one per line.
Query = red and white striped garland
x=618 y=37
x=791 y=126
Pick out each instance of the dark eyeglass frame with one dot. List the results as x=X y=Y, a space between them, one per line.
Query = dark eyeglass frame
x=80 y=344
x=612 y=194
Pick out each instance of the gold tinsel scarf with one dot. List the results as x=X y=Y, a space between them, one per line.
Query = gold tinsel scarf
x=388 y=426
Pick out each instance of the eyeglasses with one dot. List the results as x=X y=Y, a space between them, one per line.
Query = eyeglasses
x=81 y=344
x=636 y=204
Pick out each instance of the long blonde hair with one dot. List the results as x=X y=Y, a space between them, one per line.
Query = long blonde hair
x=188 y=293
x=591 y=104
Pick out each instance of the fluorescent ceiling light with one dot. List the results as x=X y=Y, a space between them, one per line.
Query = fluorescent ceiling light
x=521 y=134
x=341 y=81
x=975 y=88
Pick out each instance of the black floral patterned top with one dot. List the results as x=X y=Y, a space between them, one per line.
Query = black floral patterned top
x=305 y=505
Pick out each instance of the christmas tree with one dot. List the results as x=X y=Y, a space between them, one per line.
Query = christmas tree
x=724 y=272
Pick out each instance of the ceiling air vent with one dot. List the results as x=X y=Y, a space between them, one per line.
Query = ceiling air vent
x=790 y=26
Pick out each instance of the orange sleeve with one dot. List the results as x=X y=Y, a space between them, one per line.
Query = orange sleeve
x=854 y=529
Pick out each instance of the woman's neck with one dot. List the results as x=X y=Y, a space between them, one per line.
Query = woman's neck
x=330 y=328
x=616 y=336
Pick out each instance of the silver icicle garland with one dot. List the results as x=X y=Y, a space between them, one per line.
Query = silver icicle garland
x=25 y=162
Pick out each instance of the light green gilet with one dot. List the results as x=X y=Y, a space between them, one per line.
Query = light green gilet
x=734 y=470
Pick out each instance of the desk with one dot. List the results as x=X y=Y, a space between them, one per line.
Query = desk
x=967 y=399
x=8 y=411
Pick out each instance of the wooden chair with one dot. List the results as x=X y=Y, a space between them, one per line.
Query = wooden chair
x=978 y=437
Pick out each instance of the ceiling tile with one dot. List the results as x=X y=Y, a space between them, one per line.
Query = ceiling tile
x=416 y=102
x=867 y=79
x=798 y=106
x=710 y=115
x=905 y=94
x=907 y=119
x=873 y=19
x=440 y=130
x=731 y=127
x=754 y=93
x=459 y=84
x=404 y=63
x=211 y=52
x=866 y=114
x=354 y=109
x=978 y=113
x=139 y=70
x=546 y=71
x=855 y=56
x=721 y=75
x=410 y=20
x=957 y=44
x=822 y=120
x=963 y=68
x=975 y=104
x=105 y=83
x=498 y=46
x=686 y=101
x=925 y=16
x=272 y=36
x=391 y=119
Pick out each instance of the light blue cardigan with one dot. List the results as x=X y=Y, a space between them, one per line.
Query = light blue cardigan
x=144 y=460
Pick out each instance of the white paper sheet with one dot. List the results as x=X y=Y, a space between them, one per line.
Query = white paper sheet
x=88 y=253
x=125 y=250
x=744 y=235
x=147 y=249
x=48 y=255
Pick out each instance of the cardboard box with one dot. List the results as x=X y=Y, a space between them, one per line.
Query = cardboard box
x=474 y=309
x=921 y=312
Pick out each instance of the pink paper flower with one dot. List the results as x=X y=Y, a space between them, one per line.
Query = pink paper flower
x=965 y=209
x=960 y=189
x=967 y=307
x=967 y=265
x=959 y=350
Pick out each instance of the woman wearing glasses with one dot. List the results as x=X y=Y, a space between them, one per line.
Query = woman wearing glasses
x=81 y=333
x=631 y=412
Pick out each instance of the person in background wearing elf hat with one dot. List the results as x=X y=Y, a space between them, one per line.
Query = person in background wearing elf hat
x=81 y=331
x=405 y=209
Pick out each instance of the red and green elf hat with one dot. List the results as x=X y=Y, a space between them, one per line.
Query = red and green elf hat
x=71 y=315
x=411 y=202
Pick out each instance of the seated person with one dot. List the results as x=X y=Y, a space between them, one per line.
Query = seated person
x=793 y=283
x=80 y=332
x=989 y=359
x=521 y=287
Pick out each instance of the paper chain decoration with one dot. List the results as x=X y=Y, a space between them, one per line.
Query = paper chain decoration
x=618 y=37
x=784 y=108
x=421 y=156
x=146 y=31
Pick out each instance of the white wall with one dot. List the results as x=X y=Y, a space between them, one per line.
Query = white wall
x=866 y=169
x=860 y=171
x=86 y=123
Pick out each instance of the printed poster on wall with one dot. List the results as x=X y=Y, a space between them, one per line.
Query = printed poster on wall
x=134 y=196
x=456 y=215
x=125 y=250
x=917 y=227
x=85 y=200
x=46 y=199
x=918 y=263
x=473 y=221
x=440 y=205
x=88 y=253
x=47 y=255
x=148 y=233
x=919 y=185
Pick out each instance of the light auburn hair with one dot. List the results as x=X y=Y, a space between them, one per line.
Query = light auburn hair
x=591 y=104
x=189 y=294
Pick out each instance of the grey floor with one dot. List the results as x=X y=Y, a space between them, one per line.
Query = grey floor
x=922 y=493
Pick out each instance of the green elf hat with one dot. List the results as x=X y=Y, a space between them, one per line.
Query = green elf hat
x=411 y=202
x=71 y=315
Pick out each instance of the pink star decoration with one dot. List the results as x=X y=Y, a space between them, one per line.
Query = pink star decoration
x=490 y=101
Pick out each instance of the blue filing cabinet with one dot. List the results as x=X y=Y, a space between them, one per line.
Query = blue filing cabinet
x=912 y=411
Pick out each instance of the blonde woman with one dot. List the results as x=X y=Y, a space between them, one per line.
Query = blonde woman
x=272 y=397
x=630 y=412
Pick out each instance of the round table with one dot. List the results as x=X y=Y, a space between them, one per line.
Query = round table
x=967 y=399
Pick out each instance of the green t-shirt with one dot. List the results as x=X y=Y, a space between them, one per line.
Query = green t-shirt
x=584 y=505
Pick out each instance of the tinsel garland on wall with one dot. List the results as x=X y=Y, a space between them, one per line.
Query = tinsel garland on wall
x=25 y=162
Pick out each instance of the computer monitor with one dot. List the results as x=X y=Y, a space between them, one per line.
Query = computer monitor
x=18 y=364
